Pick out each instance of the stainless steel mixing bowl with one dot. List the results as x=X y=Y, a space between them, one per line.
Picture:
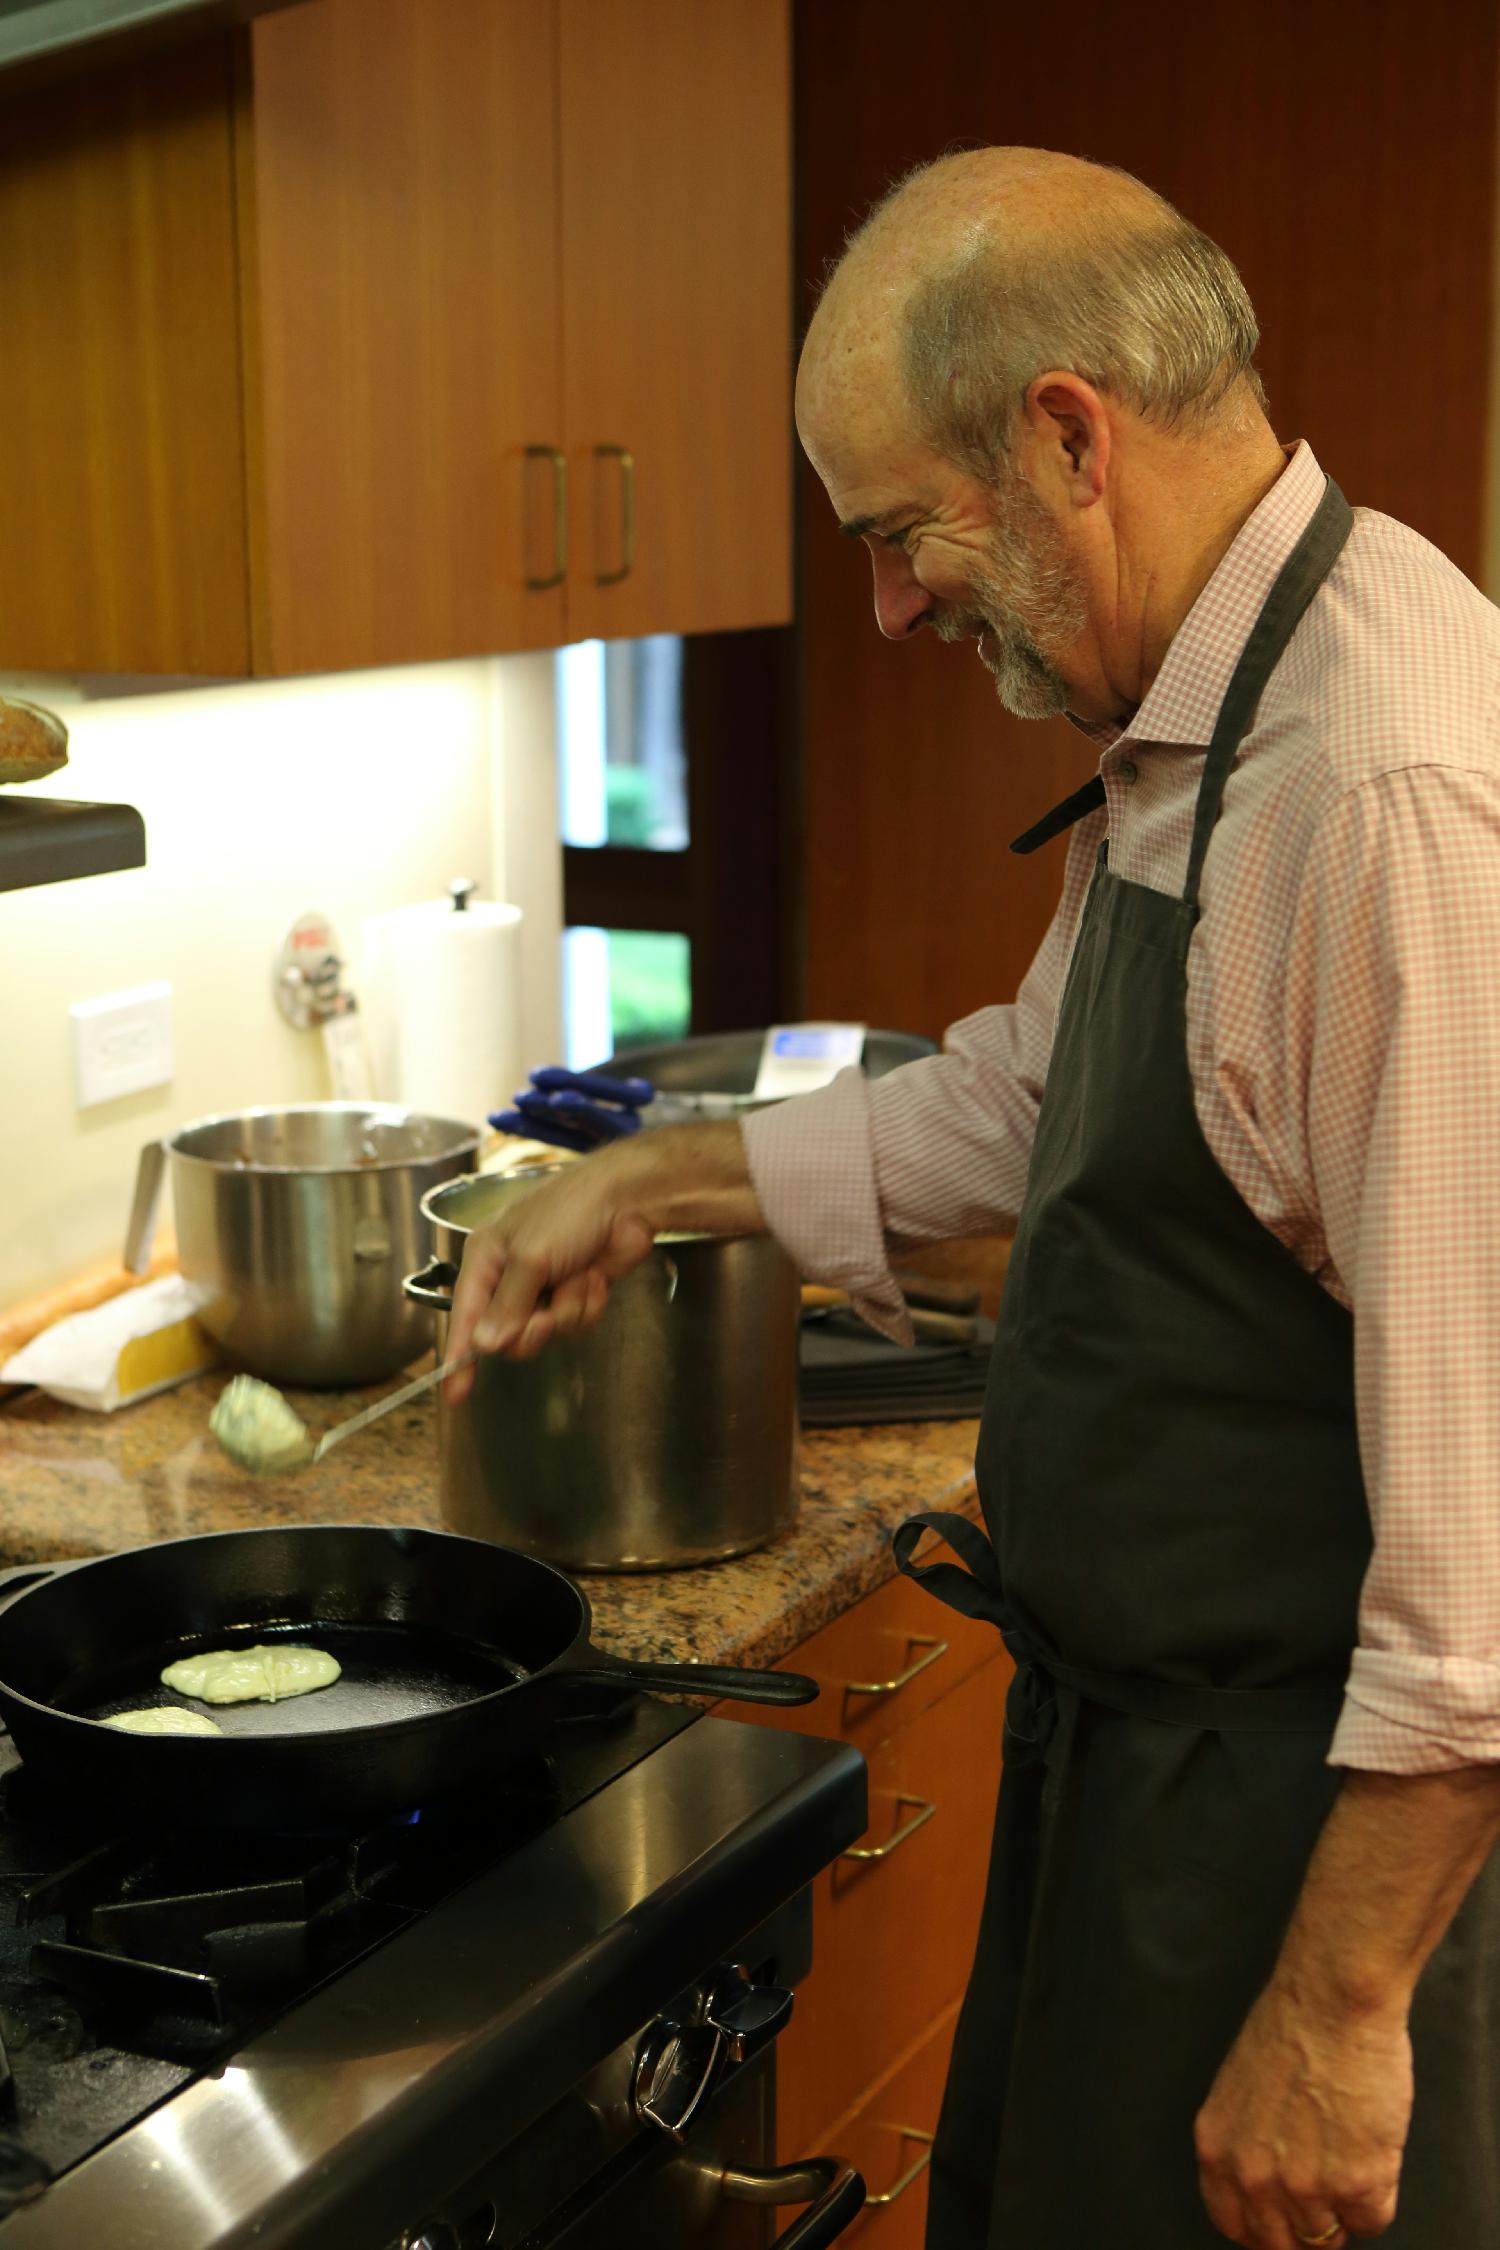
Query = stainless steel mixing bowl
x=300 y=1224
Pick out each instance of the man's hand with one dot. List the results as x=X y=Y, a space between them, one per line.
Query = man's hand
x=546 y=1267
x=1306 y=2124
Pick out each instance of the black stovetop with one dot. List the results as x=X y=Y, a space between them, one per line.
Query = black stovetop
x=133 y=1963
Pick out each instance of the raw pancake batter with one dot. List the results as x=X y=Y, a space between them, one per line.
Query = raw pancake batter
x=266 y=1674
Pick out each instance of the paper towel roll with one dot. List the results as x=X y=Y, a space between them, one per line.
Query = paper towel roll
x=446 y=988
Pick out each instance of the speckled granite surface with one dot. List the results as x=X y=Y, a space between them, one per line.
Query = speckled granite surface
x=73 y=1483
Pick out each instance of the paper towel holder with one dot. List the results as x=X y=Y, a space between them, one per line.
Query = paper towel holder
x=461 y=890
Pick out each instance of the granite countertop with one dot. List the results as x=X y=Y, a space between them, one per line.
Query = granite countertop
x=74 y=1483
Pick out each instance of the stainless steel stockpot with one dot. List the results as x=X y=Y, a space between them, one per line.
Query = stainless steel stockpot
x=300 y=1224
x=666 y=1436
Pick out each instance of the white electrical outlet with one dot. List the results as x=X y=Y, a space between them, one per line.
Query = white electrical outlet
x=122 y=1043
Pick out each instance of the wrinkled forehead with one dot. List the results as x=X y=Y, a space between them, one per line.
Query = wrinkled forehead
x=851 y=397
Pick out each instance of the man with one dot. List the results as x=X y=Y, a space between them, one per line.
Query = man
x=1240 y=1462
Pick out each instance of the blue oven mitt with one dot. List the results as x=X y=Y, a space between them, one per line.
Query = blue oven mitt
x=575 y=1109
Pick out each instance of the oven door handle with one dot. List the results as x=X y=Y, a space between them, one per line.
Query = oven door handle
x=839 y=2191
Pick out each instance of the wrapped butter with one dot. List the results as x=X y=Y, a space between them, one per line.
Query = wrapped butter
x=128 y=1348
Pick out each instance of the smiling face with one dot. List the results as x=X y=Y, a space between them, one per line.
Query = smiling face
x=975 y=561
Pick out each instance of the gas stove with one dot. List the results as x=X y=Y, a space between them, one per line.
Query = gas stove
x=483 y=2024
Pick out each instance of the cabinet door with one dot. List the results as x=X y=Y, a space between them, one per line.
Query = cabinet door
x=120 y=451
x=402 y=176
x=676 y=132
x=893 y=1936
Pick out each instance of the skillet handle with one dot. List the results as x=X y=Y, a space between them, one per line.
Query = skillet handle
x=697 y=1679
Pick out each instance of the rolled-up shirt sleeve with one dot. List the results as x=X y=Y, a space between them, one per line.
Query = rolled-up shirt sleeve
x=1403 y=1125
x=937 y=1149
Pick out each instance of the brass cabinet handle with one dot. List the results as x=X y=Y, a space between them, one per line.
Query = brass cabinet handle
x=626 y=459
x=913 y=2172
x=934 y=1649
x=559 y=460
x=923 y=1814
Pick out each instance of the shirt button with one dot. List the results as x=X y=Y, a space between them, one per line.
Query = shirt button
x=1129 y=770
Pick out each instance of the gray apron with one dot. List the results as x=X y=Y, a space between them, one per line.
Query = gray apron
x=1169 y=1471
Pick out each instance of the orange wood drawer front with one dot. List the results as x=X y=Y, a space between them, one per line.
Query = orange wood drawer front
x=890 y=1632
x=889 y=2140
x=893 y=1938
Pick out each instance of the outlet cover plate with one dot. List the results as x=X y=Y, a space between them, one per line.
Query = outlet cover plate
x=122 y=1043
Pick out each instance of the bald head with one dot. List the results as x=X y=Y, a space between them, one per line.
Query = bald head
x=1032 y=200
x=1028 y=389
x=980 y=271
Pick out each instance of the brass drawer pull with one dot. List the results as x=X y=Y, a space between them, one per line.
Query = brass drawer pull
x=913 y=2172
x=934 y=1648
x=626 y=459
x=923 y=1814
x=559 y=461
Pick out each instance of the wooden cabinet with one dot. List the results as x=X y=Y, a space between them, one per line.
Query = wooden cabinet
x=890 y=2151
x=677 y=355
x=392 y=330
x=120 y=457
x=402 y=273
x=861 y=2067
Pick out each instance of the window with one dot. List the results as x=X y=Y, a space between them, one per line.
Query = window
x=671 y=755
x=623 y=988
x=623 y=765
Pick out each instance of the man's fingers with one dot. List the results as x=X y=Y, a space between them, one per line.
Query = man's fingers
x=534 y=1337
x=1371 y=2214
x=1224 y=2207
x=482 y=1264
x=569 y=1304
x=1264 y=2227
x=522 y=1282
x=458 y=1387
x=1270 y=2226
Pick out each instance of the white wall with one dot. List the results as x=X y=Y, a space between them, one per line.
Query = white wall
x=346 y=794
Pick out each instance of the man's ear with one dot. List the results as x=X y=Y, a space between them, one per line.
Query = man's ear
x=1069 y=437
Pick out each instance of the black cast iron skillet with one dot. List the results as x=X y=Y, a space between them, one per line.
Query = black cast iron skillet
x=459 y=1658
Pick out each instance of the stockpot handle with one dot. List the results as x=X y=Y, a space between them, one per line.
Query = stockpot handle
x=140 y=1232
x=838 y=2188
x=433 y=1286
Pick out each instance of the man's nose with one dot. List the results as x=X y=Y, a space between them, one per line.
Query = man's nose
x=902 y=603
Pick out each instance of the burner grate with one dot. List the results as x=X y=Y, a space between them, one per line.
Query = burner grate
x=130 y=1964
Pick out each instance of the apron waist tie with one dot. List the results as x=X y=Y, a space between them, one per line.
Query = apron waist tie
x=1031 y=1706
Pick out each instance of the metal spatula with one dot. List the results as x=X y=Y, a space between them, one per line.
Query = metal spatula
x=261 y=1431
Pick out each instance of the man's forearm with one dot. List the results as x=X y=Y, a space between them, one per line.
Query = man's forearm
x=1303 y=2130
x=1396 y=1856
x=688 y=1179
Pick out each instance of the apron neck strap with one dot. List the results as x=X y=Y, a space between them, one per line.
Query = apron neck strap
x=1301 y=575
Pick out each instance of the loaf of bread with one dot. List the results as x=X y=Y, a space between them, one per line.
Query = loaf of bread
x=32 y=741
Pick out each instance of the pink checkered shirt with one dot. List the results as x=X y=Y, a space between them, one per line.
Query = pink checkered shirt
x=1343 y=1028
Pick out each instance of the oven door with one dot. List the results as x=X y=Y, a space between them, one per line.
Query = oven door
x=721 y=2190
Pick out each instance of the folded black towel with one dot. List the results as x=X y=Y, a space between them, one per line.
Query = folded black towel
x=850 y=1375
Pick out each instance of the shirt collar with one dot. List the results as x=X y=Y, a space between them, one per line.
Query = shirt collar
x=1183 y=700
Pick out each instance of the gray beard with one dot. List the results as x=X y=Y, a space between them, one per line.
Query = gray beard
x=1028 y=593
